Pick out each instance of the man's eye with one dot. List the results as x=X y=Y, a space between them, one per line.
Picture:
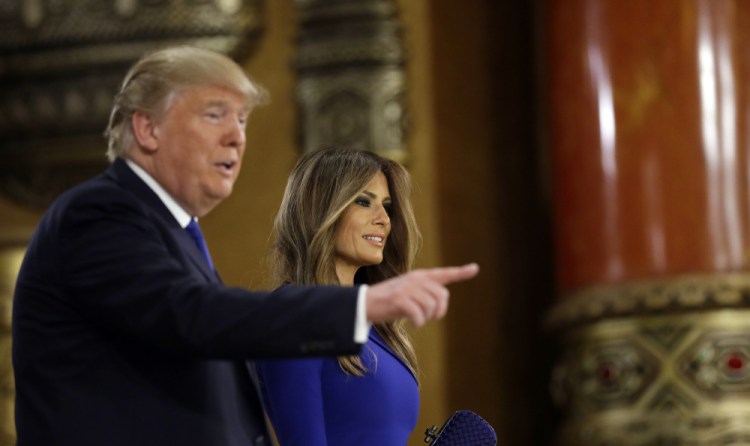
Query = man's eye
x=214 y=115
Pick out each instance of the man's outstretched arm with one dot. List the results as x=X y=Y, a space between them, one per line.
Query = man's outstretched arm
x=420 y=295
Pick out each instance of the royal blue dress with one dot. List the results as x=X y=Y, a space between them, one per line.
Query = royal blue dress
x=312 y=402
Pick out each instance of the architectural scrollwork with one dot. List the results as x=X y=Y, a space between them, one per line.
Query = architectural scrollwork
x=61 y=62
x=670 y=295
x=653 y=363
x=351 y=87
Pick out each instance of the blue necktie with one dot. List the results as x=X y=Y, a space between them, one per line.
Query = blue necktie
x=195 y=232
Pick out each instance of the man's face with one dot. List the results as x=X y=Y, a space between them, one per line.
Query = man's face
x=200 y=143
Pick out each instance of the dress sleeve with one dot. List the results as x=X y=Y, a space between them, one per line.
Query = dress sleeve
x=293 y=398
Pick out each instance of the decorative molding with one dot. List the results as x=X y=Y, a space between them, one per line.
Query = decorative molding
x=650 y=379
x=351 y=87
x=688 y=293
x=61 y=63
x=703 y=428
x=718 y=364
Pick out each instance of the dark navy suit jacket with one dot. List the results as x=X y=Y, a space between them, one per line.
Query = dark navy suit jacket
x=122 y=335
x=312 y=402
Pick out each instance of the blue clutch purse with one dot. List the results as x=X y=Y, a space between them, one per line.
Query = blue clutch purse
x=463 y=428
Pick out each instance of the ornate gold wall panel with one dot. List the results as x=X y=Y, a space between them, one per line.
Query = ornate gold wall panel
x=350 y=65
x=670 y=367
x=61 y=62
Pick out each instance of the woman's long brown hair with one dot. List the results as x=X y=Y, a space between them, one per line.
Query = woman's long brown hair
x=321 y=186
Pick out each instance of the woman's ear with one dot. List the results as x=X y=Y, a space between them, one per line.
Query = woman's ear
x=144 y=130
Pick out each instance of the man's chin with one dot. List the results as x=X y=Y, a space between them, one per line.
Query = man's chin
x=222 y=193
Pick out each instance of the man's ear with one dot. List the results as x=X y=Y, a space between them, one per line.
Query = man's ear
x=144 y=130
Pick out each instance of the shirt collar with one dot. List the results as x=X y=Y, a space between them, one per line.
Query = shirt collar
x=182 y=217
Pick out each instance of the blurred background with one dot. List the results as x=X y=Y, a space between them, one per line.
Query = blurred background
x=590 y=155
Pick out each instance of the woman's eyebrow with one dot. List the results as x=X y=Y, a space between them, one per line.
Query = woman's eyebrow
x=374 y=196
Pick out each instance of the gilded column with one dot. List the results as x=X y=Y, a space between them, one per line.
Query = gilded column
x=649 y=136
x=10 y=261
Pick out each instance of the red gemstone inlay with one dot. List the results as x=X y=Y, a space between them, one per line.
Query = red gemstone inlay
x=607 y=373
x=735 y=362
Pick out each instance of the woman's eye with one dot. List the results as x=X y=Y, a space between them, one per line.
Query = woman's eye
x=364 y=202
x=388 y=209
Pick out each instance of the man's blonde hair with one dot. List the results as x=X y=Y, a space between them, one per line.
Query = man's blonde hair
x=153 y=81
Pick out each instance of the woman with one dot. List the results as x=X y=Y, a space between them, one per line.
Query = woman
x=345 y=218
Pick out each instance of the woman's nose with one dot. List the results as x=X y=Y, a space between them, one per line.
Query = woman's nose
x=381 y=216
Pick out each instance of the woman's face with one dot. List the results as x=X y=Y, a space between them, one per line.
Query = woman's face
x=363 y=229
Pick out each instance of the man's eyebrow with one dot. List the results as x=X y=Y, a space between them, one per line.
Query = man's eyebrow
x=216 y=103
x=224 y=105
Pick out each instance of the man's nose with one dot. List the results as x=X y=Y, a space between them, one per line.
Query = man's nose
x=235 y=135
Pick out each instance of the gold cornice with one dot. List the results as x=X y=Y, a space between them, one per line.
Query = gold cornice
x=387 y=50
x=674 y=295
x=102 y=54
x=61 y=64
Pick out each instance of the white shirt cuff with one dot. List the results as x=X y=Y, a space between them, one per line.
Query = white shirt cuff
x=361 y=325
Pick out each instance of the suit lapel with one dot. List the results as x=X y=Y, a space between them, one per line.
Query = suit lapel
x=124 y=176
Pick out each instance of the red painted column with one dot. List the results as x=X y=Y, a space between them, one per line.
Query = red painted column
x=649 y=134
x=649 y=110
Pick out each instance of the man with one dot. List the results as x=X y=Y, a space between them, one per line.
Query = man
x=122 y=332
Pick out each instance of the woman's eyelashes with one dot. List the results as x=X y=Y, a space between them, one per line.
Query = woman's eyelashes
x=366 y=202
